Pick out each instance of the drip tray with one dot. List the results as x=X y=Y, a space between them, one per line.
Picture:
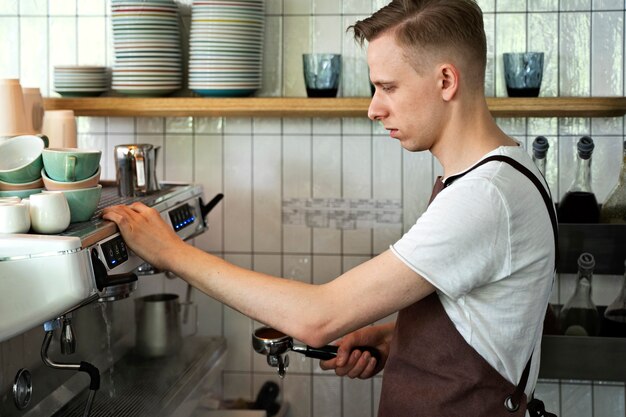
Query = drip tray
x=137 y=386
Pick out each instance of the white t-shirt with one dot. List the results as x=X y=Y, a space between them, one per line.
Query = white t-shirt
x=486 y=244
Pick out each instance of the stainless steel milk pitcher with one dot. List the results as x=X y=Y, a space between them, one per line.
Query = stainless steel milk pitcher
x=135 y=169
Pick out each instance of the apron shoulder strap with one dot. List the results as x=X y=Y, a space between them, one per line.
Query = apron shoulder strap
x=513 y=401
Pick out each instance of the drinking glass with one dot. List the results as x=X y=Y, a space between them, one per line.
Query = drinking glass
x=523 y=73
x=321 y=74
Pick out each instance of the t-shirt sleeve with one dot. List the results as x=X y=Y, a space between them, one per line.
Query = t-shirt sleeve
x=462 y=241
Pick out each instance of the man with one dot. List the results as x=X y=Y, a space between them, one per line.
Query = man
x=472 y=277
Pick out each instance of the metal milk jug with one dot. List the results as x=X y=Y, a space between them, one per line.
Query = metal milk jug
x=135 y=169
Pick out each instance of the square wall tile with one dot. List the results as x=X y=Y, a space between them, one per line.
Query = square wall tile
x=326 y=184
x=208 y=125
x=179 y=158
x=91 y=8
x=327 y=36
x=575 y=56
x=575 y=5
x=543 y=37
x=487 y=6
x=295 y=43
x=357 y=398
x=360 y=7
x=607 y=4
x=608 y=400
x=237 y=170
x=30 y=7
x=179 y=124
x=510 y=5
x=9 y=55
x=150 y=125
x=267 y=186
x=124 y=125
x=274 y=7
x=576 y=400
x=417 y=185
x=33 y=52
x=238 y=126
x=208 y=171
x=355 y=80
x=543 y=5
x=272 y=58
x=510 y=37
x=91 y=41
x=296 y=7
x=326 y=396
x=62 y=7
x=607 y=46
x=267 y=126
x=296 y=167
x=9 y=7
x=326 y=7
x=298 y=394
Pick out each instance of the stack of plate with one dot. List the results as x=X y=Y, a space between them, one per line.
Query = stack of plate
x=80 y=81
x=147 y=47
x=226 y=47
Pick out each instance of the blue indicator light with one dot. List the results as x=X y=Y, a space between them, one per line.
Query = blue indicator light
x=114 y=262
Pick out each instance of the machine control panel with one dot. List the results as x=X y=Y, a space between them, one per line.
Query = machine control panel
x=182 y=216
x=114 y=251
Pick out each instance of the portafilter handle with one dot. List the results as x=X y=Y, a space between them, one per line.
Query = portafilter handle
x=206 y=208
x=330 y=351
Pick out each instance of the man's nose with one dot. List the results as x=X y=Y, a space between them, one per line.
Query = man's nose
x=376 y=110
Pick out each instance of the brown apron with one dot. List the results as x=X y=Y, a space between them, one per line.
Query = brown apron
x=432 y=371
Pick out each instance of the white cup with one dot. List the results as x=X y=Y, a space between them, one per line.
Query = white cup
x=49 y=212
x=60 y=128
x=11 y=200
x=33 y=108
x=14 y=218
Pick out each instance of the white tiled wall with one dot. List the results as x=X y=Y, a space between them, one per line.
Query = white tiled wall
x=258 y=162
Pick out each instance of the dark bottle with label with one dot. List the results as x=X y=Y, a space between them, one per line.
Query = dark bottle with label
x=540 y=150
x=579 y=204
x=615 y=313
x=579 y=316
x=614 y=209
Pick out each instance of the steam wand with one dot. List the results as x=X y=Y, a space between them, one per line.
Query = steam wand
x=68 y=339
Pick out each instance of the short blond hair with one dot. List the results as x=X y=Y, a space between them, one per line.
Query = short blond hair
x=430 y=27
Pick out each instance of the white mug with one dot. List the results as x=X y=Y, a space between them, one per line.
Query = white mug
x=14 y=218
x=49 y=212
x=60 y=128
x=12 y=200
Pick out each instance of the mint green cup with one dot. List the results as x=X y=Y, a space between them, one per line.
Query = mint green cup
x=83 y=202
x=20 y=159
x=71 y=164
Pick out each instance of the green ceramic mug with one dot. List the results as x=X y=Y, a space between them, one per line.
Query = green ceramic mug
x=83 y=202
x=71 y=164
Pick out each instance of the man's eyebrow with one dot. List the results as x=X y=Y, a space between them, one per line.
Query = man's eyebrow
x=381 y=82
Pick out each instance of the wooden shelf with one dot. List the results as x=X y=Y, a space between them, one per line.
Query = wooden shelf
x=320 y=107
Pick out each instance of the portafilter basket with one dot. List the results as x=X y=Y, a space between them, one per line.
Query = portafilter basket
x=273 y=343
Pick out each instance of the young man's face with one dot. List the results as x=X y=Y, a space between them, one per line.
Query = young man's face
x=408 y=104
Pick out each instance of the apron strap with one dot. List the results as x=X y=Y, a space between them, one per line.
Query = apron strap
x=513 y=401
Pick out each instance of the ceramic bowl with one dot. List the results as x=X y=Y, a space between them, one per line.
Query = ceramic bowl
x=8 y=186
x=53 y=185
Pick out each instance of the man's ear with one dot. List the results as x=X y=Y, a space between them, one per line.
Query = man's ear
x=448 y=81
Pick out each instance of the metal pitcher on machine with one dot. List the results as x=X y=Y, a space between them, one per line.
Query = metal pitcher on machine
x=135 y=169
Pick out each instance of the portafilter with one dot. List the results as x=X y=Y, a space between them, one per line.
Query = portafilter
x=273 y=343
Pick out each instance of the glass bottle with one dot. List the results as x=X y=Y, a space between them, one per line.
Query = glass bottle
x=579 y=316
x=579 y=204
x=540 y=149
x=616 y=312
x=614 y=209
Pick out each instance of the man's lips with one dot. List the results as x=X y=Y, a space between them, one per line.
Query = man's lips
x=392 y=132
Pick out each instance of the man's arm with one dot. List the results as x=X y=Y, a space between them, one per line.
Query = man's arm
x=314 y=314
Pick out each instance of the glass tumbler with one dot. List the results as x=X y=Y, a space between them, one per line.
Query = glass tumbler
x=321 y=74
x=523 y=73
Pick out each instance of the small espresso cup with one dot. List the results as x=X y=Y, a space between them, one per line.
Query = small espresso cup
x=14 y=217
x=523 y=73
x=321 y=74
x=71 y=164
x=20 y=159
x=49 y=212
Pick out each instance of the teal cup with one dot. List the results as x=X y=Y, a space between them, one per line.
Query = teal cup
x=83 y=202
x=20 y=158
x=71 y=164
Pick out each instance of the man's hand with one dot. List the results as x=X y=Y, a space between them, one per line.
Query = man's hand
x=145 y=232
x=357 y=364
